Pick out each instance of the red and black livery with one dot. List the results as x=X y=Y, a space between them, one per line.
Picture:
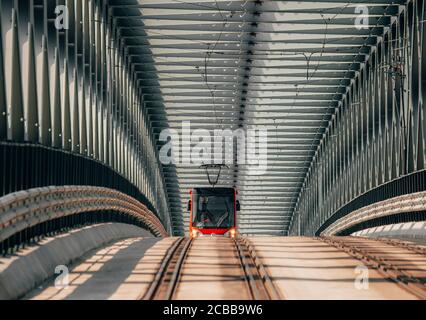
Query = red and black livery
x=213 y=211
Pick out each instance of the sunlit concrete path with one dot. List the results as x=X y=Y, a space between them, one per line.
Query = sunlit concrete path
x=299 y=267
x=122 y=270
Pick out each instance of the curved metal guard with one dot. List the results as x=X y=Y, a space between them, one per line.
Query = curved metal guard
x=24 y=209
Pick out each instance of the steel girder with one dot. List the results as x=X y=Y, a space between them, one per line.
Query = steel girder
x=301 y=68
x=286 y=65
x=378 y=133
x=75 y=89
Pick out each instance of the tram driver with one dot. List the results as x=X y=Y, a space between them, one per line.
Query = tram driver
x=205 y=215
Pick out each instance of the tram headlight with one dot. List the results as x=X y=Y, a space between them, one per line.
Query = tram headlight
x=232 y=233
x=195 y=233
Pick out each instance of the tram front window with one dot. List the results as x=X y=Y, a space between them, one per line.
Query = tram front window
x=214 y=212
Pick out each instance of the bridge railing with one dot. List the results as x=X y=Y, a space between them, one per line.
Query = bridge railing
x=25 y=215
x=405 y=204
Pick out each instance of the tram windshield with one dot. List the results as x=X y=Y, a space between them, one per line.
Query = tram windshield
x=214 y=211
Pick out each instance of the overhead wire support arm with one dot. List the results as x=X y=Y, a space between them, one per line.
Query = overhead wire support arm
x=218 y=167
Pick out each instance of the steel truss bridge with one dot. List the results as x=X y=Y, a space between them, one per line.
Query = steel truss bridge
x=339 y=85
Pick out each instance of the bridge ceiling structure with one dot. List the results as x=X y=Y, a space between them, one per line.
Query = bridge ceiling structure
x=283 y=65
x=339 y=86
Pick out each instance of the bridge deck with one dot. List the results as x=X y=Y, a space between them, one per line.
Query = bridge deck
x=300 y=268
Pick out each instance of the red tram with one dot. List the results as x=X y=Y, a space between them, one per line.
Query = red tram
x=213 y=211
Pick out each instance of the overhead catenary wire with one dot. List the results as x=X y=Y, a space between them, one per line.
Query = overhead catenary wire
x=207 y=57
x=198 y=4
x=315 y=81
x=326 y=22
x=335 y=135
x=308 y=60
x=310 y=76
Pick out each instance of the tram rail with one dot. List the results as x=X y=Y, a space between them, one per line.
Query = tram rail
x=166 y=281
x=412 y=247
x=402 y=278
x=260 y=284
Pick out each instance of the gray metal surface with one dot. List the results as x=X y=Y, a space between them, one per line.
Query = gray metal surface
x=285 y=65
x=342 y=102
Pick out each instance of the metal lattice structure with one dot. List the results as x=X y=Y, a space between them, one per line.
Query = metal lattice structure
x=294 y=67
x=28 y=209
x=378 y=132
x=74 y=90
x=402 y=205
x=338 y=84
